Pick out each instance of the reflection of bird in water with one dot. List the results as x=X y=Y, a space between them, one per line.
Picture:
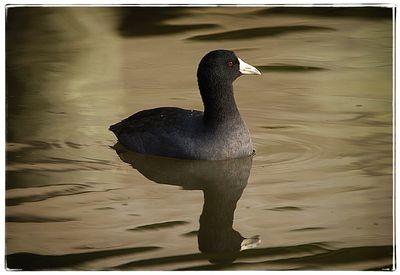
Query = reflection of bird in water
x=216 y=235
x=222 y=183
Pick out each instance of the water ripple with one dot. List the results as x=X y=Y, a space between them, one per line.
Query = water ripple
x=285 y=150
x=18 y=196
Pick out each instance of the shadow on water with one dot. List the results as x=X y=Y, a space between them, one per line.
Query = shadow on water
x=150 y=21
x=30 y=261
x=222 y=183
x=288 y=68
x=320 y=257
x=376 y=13
x=159 y=225
x=35 y=48
x=257 y=32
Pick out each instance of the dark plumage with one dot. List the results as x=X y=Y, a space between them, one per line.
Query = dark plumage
x=217 y=133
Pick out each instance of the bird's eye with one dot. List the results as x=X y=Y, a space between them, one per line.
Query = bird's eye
x=230 y=63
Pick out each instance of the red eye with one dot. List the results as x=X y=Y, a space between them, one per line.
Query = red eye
x=230 y=63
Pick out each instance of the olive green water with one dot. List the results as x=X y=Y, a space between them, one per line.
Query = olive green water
x=317 y=194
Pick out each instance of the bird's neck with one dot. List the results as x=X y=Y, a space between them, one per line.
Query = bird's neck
x=219 y=102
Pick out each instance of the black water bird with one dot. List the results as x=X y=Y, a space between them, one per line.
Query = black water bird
x=215 y=134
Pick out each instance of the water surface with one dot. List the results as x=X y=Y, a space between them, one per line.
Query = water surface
x=318 y=194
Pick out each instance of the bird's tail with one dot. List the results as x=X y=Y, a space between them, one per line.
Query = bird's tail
x=116 y=128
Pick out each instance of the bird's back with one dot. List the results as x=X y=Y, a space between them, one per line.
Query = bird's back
x=166 y=131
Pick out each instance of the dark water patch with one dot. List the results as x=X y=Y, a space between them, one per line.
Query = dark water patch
x=375 y=13
x=251 y=253
x=151 y=21
x=285 y=208
x=308 y=228
x=160 y=225
x=288 y=68
x=276 y=127
x=74 y=145
x=29 y=261
x=15 y=180
x=104 y=208
x=57 y=112
x=35 y=219
x=344 y=256
x=56 y=145
x=191 y=233
x=328 y=259
x=161 y=260
x=257 y=32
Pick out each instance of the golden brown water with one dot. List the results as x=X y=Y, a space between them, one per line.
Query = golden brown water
x=318 y=192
